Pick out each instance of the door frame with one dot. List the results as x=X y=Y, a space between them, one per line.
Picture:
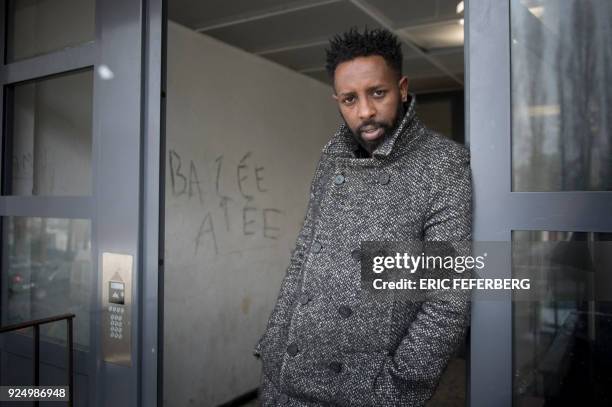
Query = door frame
x=489 y=127
x=153 y=211
x=126 y=216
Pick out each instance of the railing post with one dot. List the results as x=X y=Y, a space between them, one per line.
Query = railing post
x=36 y=344
x=36 y=357
x=70 y=362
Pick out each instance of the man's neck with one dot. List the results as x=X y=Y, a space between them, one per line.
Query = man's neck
x=362 y=152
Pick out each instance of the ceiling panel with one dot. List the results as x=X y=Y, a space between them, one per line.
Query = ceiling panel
x=199 y=13
x=448 y=9
x=409 y=52
x=303 y=26
x=295 y=33
x=407 y=12
x=312 y=56
x=434 y=36
x=453 y=61
x=420 y=68
x=300 y=58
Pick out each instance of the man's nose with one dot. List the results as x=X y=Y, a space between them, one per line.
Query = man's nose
x=366 y=110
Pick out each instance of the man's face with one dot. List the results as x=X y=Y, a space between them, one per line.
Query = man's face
x=370 y=96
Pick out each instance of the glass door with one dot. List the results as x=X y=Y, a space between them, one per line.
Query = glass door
x=81 y=86
x=541 y=142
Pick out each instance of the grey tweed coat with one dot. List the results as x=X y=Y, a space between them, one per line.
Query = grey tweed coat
x=327 y=342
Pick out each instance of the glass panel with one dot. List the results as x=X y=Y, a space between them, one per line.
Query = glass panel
x=36 y=27
x=48 y=269
x=562 y=353
x=561 y=103
x=49 y=136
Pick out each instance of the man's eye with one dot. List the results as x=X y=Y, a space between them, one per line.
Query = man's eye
x=348 y=100
x=379 y=93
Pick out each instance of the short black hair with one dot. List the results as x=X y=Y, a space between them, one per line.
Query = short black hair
x=352 y=44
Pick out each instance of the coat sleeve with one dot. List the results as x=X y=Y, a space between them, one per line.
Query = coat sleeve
x=290 y=283
x=411 y=374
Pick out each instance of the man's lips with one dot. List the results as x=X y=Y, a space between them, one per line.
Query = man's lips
x=371 y=133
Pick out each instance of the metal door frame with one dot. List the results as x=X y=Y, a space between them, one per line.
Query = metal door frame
x=153 y=212
x=127 y=145
x=488 y=120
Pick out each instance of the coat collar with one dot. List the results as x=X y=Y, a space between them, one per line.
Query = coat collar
x=343 y=143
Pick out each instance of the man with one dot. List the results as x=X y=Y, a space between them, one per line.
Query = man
x=382 y=177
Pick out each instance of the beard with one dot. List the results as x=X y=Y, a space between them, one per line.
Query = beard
x=388 y=129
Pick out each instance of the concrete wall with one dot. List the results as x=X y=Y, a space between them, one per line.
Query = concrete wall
x=243 y=138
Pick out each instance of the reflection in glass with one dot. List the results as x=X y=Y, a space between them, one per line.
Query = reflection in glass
x=48 y=148
x=48 y=271
x=562 y=348
x=561 y=102
x=36 y=27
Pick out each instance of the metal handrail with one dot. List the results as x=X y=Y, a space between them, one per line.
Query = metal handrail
x=36 y=323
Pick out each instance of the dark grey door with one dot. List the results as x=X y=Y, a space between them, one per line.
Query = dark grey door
x=81 y=90
x=541 y=143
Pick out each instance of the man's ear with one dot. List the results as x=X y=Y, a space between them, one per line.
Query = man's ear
x=403 y=85
x=335 y=97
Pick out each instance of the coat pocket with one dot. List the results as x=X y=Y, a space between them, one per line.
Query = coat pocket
x=355 y=384
x=368 y=329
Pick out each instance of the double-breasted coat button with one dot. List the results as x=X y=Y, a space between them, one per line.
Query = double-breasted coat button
x=344 y=311
x=339 y=179
x=335 y=367
x=356 y=254
x=316 y=247
x=292 y=349
x=283 y=399
x=383 y=178
x=304 y=298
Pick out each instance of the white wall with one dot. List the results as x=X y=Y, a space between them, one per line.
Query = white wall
x=231 y=115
